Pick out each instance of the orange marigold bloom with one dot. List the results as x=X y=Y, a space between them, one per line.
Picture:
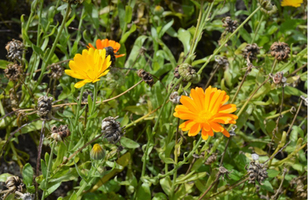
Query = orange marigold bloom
x=205 y=110
x=105 y=44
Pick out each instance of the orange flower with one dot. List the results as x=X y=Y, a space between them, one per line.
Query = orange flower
x=106 y=44
x=205 y=111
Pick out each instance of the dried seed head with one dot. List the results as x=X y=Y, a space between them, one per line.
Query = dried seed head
x=44 y=107
x=300 y=186
x=14 y=50
x=112 y=129
x=13 y=98
x=251 y=51
x=175 y=98
x=257 y=172
x=188 y=73
x=176 y=73
x=59 y=133
x=109 y=51
x=146 y=77
x=56 y=72
x=13 y=72
x=278 y=78
x=221 y=61
x=229 y=24
x=267 y=7
x=85 y=96
x=27 y=196
x=211 y=159
x=223 y=170
x=97 y=152
x=14 y=183
x=280 y=50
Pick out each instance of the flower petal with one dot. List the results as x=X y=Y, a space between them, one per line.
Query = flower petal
x=81 y=83
x=194 y=130
x=226 y=133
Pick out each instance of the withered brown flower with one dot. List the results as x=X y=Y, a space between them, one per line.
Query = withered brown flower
x=280 y=50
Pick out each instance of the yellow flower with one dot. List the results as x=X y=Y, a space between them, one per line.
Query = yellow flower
x=294 y=3
x=89 y=66
x=205 y=111
x=97 y=152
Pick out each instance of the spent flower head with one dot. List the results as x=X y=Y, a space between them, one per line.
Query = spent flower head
x=89 y=66
x=205 y=111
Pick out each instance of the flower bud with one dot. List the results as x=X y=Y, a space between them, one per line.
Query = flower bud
x=97 y=152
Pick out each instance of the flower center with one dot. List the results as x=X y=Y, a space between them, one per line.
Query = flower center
x=204 y=116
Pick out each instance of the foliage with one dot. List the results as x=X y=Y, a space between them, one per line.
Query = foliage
x=145 y=155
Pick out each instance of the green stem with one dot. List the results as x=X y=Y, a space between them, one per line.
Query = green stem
x=190 y=154
x=165 y=100
x=175 y=162
x=254 y=92
x=49 y=167
x=76 y=118
x=94 y=98
x=257 y=29
x=45 y=63
x=274 y=66
x=277 y=115
x=240 y=86
x=223 y=44
x=39 y=24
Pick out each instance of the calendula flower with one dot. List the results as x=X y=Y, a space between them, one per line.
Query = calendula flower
x=112 y=47
x=205 y=111
x=293 y=3
x=97 y=152
x=89 y=66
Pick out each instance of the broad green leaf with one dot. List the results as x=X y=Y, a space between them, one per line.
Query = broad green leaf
x=27 y=174
x=144 y=192
x=43 y=168
x=166 y=185
x=128 y=143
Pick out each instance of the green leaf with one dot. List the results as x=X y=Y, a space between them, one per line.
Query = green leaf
x=267 y=186
x=73 y=197
x=128 y=143
x=185 y=37
x=144 y=192
x=197 y=164
x=60 y=154
x=128 y=33
x=4 y=176
x=293 y=91
x=135 y=51
x=52 y=188
x=165 y=28
x=27 y=174
x=128 y=14
x=121 y=14
x=160 y=196
x=44 y=168
x=166 y=185
x=272 y=173
x=3 y=64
